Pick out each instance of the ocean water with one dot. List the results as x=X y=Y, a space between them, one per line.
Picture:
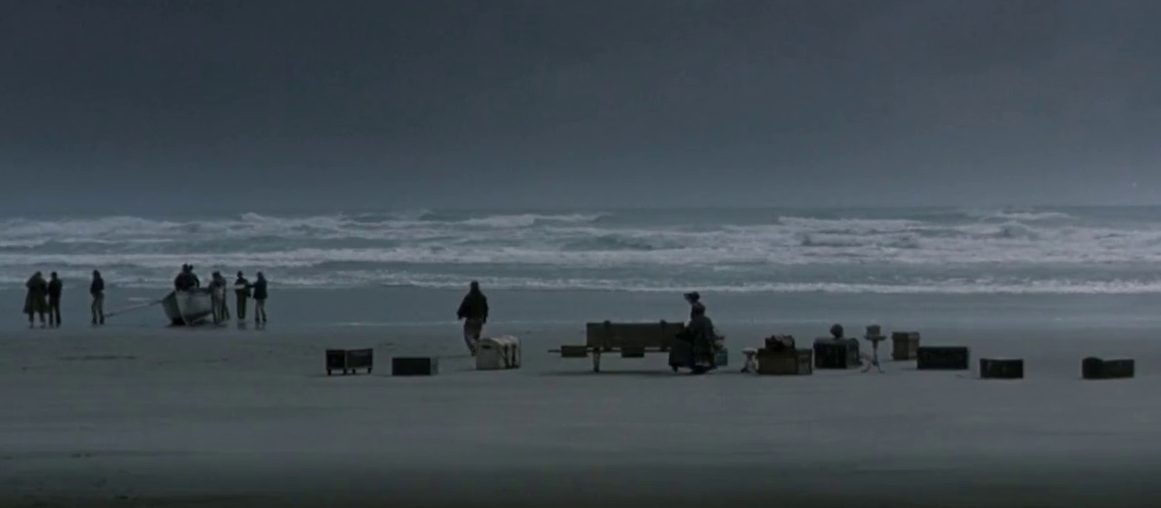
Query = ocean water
x=856 y=251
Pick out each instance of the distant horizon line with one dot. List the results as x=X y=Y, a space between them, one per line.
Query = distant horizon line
x=527 y=209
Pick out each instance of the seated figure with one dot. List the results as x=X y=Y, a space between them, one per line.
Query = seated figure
x=703 y=341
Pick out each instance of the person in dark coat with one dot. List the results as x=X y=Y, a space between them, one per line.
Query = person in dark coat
x=242 y=292
x=183 y=281
x=703 y=339
x=35 y=302
x=260 y=295
x=97 y=291
x=474 y=311
x=55 y=289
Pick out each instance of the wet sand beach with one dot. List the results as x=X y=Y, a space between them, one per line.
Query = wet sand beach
x=165 y=417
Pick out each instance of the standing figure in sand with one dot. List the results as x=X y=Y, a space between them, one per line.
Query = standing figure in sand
x=242 y=292
x=218 y=304
x=55 y=288
x=35 y=302
x=260 y=299
x=97 y=291
x=474 y=311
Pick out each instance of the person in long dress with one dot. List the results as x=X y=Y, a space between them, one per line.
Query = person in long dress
x=704 y=341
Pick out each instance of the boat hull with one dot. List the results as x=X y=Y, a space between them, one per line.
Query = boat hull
x=188 y=308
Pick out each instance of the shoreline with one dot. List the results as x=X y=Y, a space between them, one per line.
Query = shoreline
x=319 y=308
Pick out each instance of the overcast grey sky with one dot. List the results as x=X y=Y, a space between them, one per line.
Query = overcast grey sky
x=257 y=105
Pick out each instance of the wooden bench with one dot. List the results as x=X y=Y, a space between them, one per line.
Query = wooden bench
x=630 y=340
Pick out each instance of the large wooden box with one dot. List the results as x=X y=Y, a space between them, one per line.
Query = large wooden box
x=785 y=362
x=414 y=366
x=1001 y=368
x=832 y=353
x=904 y=345
x=348 y=361
x=608 y=336
x=496 y=353
x=943 y=358
x=1097 y=368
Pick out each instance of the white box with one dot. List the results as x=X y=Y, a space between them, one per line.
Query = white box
x=496 y=353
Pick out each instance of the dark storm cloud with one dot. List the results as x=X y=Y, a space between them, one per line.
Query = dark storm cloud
x=434 y=103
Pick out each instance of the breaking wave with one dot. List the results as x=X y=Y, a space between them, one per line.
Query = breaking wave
x=869 y=251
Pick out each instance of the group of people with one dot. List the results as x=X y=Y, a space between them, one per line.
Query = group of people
x=703 y=340
x=44 y=296
x=244 y=290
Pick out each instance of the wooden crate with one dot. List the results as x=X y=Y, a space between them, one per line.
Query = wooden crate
x=1001 y=368
x=1098 y=368
x=905 y=345
x=348 y=361
x=942 y=358
x=830 y=353
x=414 y=366
x=785 y=362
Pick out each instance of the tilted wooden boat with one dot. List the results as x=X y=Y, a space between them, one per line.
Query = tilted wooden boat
x=188 y=308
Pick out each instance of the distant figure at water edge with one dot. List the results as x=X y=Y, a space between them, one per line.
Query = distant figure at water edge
x=694 y=300
x=97 y=291
x=35 y=302
x=260 y=299
x=55 y=288
x=704 y=341
x=474 y=311
x=242 y=291
x=221 y=311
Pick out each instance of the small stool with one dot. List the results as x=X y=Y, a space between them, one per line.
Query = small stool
x=751 y=364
